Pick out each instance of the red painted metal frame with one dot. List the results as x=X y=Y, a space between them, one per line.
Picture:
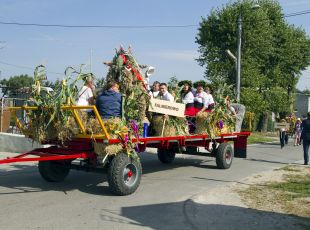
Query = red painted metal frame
x=82 y=147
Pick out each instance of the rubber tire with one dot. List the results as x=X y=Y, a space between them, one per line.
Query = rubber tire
x=54 y=171
x=221 y=160
x=116 y=177
x=166 y=156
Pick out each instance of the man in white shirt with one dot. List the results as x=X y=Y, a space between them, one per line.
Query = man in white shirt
x=164 y=94
x=155 y=90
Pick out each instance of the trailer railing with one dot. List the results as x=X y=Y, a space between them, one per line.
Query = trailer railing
x=23 y=122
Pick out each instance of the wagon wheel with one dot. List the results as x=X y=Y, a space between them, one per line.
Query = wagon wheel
x=224 y=155
x=54 y=171
x=124 y=174
x=166 y=156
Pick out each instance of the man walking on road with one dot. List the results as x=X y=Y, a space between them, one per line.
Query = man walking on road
x=305 y=136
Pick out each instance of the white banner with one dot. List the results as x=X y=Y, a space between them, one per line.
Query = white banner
x=167 y=107
x=281 y=125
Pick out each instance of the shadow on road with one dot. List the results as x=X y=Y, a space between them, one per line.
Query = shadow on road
x=191 y=215
x=26 y=178
x=268 y=161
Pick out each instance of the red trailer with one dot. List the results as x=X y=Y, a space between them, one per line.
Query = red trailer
x=124 y=172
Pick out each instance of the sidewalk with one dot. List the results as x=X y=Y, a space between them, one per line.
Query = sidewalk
x=222 y=209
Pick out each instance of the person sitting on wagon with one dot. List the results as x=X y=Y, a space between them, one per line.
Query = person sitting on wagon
x=209 y=99
x=87 y=94
x=164 y=94
x=201 y=99
x=109 y=102
x=187 y=97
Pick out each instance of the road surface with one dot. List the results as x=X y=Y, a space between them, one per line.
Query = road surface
x=164 y=200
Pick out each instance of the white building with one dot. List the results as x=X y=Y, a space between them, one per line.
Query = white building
x=302 y=105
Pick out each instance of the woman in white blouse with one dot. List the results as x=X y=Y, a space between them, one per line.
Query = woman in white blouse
x=201 y=99
x=187 y=98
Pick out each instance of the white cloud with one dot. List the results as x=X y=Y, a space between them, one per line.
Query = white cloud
x=179 y=55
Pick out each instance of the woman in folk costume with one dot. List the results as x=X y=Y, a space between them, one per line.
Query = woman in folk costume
x=209 y=98
x=187 y=97
x=201 y=98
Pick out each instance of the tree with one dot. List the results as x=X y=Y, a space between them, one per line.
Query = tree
x=17 y=82
x=273 y=53
x=172 y=83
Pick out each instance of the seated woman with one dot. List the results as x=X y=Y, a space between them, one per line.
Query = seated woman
x=209 y=99
x=202 y=100
x=86 y=95
x=187 y=97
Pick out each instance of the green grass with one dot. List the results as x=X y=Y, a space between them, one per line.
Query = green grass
x=289 y=168
x=257 y=137
x=296 y=185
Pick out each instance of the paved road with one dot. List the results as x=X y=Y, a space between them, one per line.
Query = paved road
x=164 y=200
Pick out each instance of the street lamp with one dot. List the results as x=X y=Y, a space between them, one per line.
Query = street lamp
x=255 y=6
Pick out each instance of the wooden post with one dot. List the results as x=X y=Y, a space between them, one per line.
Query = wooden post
x=162 y=131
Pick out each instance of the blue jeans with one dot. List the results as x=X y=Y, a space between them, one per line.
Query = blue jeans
x=306 y=144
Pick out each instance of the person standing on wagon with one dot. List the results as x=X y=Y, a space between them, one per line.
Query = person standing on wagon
x=164 y=94
x=155 y=89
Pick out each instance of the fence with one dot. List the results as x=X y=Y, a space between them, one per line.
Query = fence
x=7 y=125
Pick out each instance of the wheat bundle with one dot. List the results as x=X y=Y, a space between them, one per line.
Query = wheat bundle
x=161 y=128
x=171 y=126
x=201 y=125
x=103 y=149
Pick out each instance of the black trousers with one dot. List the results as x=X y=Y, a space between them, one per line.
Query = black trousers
x=306 y=144
x=283 y=138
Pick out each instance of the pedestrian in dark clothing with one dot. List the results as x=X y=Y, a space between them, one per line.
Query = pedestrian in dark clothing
x=109 y=102
x=283 y=134
x=305 y=136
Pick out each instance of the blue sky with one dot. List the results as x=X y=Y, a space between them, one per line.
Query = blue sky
x=170 y=50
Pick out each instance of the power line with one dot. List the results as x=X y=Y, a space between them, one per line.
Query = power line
x=98 y=26
x=129 y=26
x=297 y=13
x=26 y=67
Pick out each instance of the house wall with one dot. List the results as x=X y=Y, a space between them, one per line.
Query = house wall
x=302 y=105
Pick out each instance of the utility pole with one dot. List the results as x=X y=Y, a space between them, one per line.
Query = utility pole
x=91 y=57
x=239 y=58
x=253 y=7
